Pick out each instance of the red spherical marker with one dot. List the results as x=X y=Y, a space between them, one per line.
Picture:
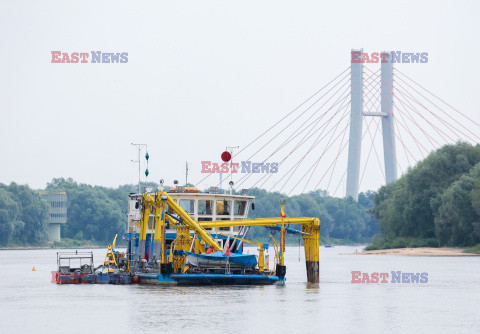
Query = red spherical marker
x=226 y=156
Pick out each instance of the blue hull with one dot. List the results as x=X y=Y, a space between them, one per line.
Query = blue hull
x=113 y=279
x=208 y=279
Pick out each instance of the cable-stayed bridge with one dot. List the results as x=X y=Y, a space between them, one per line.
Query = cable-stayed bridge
x=370 y=119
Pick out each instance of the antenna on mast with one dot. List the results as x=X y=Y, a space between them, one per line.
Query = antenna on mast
x=186 y=173
x=231 y=149
x=139 y=148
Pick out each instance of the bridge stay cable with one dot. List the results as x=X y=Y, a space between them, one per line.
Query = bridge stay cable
x=282 y=119
x=299 y=130
x=315 y=143
x=318 y=128
x=447 y=124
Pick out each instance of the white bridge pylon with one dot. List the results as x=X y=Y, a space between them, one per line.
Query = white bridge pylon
x=356 y=121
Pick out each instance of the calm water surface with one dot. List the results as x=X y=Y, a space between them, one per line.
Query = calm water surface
x=448 y=303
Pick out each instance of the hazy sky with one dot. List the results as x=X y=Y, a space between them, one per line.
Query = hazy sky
x=201 y=75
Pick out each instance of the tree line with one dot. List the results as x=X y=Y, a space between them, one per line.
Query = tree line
x=436 y=203
x=23 y=216
x=95 y=213
x=341 y=218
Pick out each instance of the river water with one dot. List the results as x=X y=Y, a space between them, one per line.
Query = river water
x=448 y=303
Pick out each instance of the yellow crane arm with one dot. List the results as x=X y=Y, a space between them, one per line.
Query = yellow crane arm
x=148 y=201
x=110 y=256
x=114 y=242
x=260 y=222
x=191 y=224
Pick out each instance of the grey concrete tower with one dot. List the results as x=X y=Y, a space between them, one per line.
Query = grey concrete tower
x=388 y=120
x=356 y=119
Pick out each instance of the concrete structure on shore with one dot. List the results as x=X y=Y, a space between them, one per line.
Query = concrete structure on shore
x=57 y=215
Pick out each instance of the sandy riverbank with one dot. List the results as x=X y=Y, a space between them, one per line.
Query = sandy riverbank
x=443 y=251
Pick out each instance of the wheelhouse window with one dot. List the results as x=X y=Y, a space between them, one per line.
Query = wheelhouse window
x=224 y=228
x=240 y=208
x=188 y=205
x=205 y=219
x=205 y=207
x=223 y=208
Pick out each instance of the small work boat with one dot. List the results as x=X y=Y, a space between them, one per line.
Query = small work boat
x=73 y=268
x=77 y=267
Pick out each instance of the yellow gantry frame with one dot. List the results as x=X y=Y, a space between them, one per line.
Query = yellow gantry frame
x=159 y=222
x=183 y=240
x=275 y=247
x=261 y=250
x=310 y=226
x=191 y=223
x=262 y=222
x=147 y=203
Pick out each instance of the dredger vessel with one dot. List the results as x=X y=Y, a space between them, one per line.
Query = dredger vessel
x=188 y=237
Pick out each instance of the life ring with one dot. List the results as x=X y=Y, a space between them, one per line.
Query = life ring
x=185 y=190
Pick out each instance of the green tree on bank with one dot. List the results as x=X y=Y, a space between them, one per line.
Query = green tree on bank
x=341 y=218
x=458 y=219
x=95 y=214
x=434 y=203
x=23 y=216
